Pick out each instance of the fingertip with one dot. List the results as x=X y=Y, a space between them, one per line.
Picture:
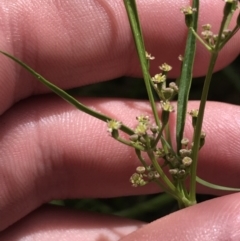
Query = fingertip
x=58 y=223
x=217 y=219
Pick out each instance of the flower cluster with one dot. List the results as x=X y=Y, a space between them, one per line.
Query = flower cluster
x=159 y=82
x=210 y=38
x=145 y=132
x=180 y=164
x=113 y=125
x=144 y=175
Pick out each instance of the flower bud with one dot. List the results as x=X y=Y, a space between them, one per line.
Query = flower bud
x=184 y=141
x=202 y=139
x=194 y=114
x=141 y=129
x=143 y=119
x=156 y=175
x=185 y=152
x=113 y=125
x=187 y=161
x=133 y=137
x=137 y=180
x=167 y=93
x=154 y=129
x=140 y=169
x=181 y=172
x=230 y=6
x=143 y=140
x=170 y=158
x=149 y=56
x=159 y=78
x=206 y=27
x=166 y=109
x=188 y=12
x=151 y=175
x=173 y=171
x=180 y=58
x=173 y=86
x=160 y=152
x=165 y=68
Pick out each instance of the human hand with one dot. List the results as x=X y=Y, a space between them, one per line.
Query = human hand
x=49 y=150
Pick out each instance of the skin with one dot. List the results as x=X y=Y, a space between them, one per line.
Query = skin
x=49 y=150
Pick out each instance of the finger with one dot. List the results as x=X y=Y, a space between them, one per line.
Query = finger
x=76 y=43
x=55 y=223
x=50 y=150
x=217 y=219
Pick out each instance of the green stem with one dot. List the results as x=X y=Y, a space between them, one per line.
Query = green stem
x=138 y=152
x=222 y=27
x=161 y=172
x=234 y=31
x=168 y=135
x=165 y=188
x=198 y=128
x=201 y=40
x=230 y=15
x=131 y=8
x=158 y=136
x=184 y=201
x=128 y=143
x=65 y=95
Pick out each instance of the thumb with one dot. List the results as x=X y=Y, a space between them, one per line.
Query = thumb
x=217 y=219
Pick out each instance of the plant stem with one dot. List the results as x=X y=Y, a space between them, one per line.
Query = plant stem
x=161 y=172
x=139 y=42
x=201 y=40
x=234 y=31
x=198 y=128
x=141 y=159
x=63 y=94
x=128 y=143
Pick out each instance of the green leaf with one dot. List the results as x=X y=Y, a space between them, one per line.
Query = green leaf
x=217 y=187
x=186 y=77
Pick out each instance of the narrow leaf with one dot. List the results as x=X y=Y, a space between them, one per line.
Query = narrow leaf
x=186 y=77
